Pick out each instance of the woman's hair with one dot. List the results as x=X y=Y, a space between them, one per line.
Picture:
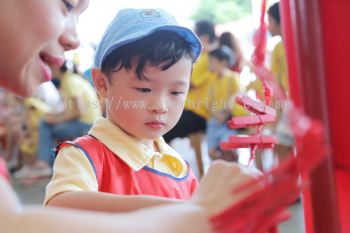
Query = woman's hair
x=161 y=49
x=229 y=40
x=224 y=53
x=274 y=12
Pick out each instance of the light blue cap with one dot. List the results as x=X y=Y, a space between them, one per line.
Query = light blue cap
x=130 y=25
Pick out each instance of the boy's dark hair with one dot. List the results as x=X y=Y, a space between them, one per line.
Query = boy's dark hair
x=205 y=27
x=223 y=53
x=161 y=49
x=274 y=12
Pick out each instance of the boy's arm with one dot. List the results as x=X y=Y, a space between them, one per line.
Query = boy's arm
x=105 y=202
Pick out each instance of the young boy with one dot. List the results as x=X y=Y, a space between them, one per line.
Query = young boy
x=142 y=68
x=221 y=102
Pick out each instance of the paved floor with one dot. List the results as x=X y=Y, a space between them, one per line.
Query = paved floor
x=33 y=193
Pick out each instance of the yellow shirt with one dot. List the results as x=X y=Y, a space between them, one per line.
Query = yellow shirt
x=222 y=92
x=197 y=99
x=73 y=171
x=278 y=69
x=35 y=109
x=74 y=86
x=39 y=109
x=279 y=66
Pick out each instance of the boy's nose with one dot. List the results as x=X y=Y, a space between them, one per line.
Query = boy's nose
x=159 y=107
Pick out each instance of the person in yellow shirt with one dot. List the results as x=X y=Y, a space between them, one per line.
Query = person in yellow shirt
x=34 y=109
x=285 y=139
x=196 y=113
x=44 y=100
x=278 y=63
x=278 y=68
x=278 y=57
x=221 y=102
x=81 y=108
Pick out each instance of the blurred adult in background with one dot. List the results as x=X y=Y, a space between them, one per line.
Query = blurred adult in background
x=81 y=108
x=278 y=56
x=228 y=39
x=222 y=93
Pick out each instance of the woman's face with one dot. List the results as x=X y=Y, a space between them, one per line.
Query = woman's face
x=34 y=34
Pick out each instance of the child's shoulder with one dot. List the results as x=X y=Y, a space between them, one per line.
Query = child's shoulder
x=87 y=140
x=85 y=143
x=231 y=74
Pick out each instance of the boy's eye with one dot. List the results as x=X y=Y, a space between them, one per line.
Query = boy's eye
x=68 y=5
x=143 y=90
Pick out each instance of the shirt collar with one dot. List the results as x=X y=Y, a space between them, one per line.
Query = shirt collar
x=134 y=153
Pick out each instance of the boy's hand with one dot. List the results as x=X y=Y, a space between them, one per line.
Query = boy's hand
x=215 y=192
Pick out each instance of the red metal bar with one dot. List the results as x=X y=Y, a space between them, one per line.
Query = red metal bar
x=335 y=19
x=307 y=30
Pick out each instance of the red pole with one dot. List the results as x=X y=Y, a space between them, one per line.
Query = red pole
x=304 y=42
x=335 y=19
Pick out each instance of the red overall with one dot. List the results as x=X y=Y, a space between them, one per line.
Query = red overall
x=115 y=176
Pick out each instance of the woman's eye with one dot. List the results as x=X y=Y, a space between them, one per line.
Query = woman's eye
x=143 y=90
x=68 y=5
x=176 y=92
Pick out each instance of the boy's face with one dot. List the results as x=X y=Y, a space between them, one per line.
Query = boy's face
x=146 y=109
x=217 y=66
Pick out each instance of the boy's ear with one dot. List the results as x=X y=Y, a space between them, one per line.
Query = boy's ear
x=100 y=82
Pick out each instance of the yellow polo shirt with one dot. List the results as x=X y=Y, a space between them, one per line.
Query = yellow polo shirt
x=201 y=79
x=224 y=88
x=278 y=69
x=73 y=171
x=279 y=66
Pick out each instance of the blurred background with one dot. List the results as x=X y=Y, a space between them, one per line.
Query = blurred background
x=18 y=140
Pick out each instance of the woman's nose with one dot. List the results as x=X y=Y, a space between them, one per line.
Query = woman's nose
x=69 y=38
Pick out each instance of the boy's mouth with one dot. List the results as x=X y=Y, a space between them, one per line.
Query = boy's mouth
x=155 y=124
